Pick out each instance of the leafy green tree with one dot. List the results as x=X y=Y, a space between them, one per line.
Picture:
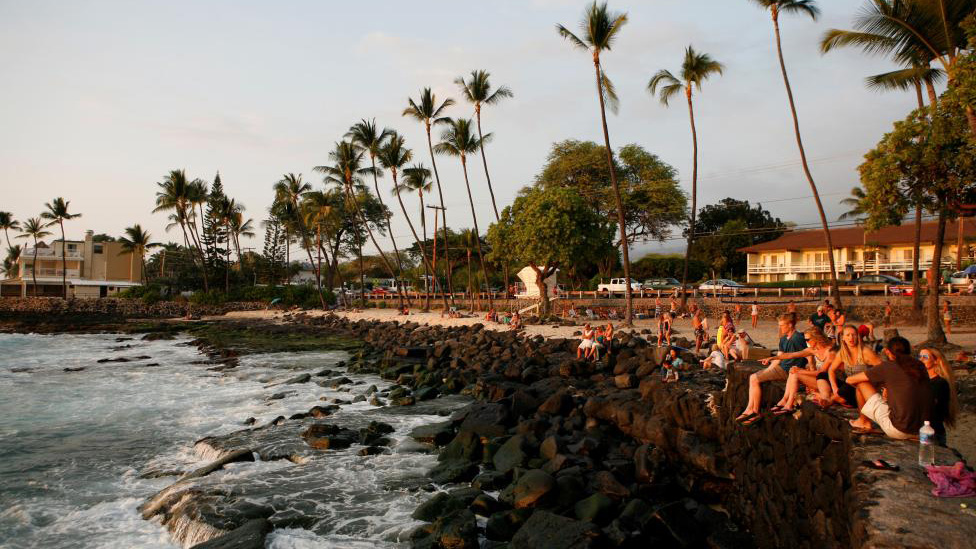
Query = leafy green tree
x=731 y=224
x=57 y=213
x=658 y=266
x=695 y=68
x=274 y=251
x=36 y=229
x=428 y=111
x=923 y=157
x=599 y=29
x=549 y=229
x=458 y=140
x=11 y=263
x=809 y=8
x=214 y=235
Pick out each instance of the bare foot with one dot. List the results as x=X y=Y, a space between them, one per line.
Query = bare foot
x=858 y=424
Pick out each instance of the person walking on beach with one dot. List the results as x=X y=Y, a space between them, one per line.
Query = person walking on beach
x=738 y=312
x=947 y=316
x=886 y=318
x=754 y=313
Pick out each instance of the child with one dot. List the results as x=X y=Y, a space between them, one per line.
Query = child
x=670 y=366
x=716 y=359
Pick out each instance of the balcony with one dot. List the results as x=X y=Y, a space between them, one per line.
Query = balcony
x=859 y=267
x=53 y=252
x=75 y=273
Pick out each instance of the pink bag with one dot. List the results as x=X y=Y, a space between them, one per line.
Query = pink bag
x=952 y=482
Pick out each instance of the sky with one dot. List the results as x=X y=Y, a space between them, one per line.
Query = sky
x=101 y=99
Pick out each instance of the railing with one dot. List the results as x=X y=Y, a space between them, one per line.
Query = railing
x=50 y=272
x=48 y=253
x=859 y=266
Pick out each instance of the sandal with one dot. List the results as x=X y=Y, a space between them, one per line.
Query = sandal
x=783 y=411
x=880 y=465
x=745 y=417
x=751 y=421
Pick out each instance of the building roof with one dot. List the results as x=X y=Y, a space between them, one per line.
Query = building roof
x=854 y=236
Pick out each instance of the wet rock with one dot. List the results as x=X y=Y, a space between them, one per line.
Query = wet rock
x=489 y=480
x=325 y=436
x=376 y=401
x=78 y=369
x=465 y=446
x=512 y=454
x=486 y=419
x=453 y=471
x=373 y=451
x=597 y=508
x=605 y=483
x=485 y=505
x=373 y=434
x=441 y=504
x=501 y=526
x=437 y=434
x=250 y=535
x=304 y=378
x=232 y=457
x=457 y=530
x=675 y=518
x=123 y=359
x=279 y=396
x=425 y=393
x=545 y=529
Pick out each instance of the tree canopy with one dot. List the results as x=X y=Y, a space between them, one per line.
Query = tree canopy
x=721 y=229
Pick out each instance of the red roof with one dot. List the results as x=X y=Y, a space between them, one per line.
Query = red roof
x=854 y=236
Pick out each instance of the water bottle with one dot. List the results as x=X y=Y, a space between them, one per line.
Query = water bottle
x=926 y=446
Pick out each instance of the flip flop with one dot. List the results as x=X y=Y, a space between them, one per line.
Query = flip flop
x=783 y=411
x=880 y=465
x=745 y=417
x=751 y=421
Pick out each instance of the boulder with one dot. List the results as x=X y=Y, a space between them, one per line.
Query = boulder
x=545 y=529
x=511 y=454
x=453 y=471
x=465 y=446
x=437 y=434
x=250 y=535
x=485 y=419
x=439 y=505
x=530 y=490
x=325 y=436
x=597 y=508
x=456 y=530
x=501 y=526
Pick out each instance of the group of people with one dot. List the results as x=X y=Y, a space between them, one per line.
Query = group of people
x=513 y=320
x=891 y=388
x=592 y=341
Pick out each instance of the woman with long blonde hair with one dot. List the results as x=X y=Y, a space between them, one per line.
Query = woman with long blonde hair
x=943 y=383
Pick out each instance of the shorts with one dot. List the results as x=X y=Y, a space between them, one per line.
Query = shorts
x=586 y=344
x=773 y=372
x=876 y=409
x=699 y=332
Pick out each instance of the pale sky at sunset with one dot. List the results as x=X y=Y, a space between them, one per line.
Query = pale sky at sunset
x=100 y=99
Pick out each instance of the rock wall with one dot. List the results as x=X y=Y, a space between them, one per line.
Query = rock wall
x=115 y=307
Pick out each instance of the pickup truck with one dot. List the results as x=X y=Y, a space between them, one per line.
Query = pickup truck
x=618 y=286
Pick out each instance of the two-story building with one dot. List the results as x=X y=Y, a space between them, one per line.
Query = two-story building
x=93 y=269
x=802 y=255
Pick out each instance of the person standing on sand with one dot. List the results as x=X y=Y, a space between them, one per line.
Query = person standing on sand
x=791 y=308
x=657 y=308
x=738 y=312
x=947 y=316
x=886 y=318
x=754 y=313
x=664 y=330
x=700 y=324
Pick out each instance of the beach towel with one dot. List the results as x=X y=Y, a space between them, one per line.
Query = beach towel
x=952 y=482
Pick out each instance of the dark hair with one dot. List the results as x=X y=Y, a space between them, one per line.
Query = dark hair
x=899 y=346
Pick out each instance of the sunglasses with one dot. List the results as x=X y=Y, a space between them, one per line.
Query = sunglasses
x=924 y=356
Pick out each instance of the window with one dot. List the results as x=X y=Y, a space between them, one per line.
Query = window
x=907 y=255
x=98 y=248
x=72 y=247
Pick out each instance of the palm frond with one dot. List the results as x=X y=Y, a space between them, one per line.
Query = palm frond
x=667 y=82
x=609 y=92
x=801 y=7
x=573 y=39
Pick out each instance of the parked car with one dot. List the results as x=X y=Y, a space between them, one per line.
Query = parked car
x=962 y=277
x=722 y=285
x=661 y=283
x=382 y=290
x=618 y=286
x=877 y=283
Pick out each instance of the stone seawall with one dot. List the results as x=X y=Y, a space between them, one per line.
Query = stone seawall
x=114 y=307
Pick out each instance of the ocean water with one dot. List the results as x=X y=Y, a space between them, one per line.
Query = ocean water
x=75 y=446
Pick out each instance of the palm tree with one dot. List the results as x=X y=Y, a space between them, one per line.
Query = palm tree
x=288 y=190
x=695 y=68
x=599 y=29
x=11 y=263
x=346 y=174
x=802 y=7
x=417 y=179
x=177 y=194
x=394 y=156
x=8 y=223
x=471 y=241
x=238 y=227
x=34 y=228
x=427 y=110
x=318 y=212
x=369 y=138
x=56 y=214
x=459 y=140
x=136 y=241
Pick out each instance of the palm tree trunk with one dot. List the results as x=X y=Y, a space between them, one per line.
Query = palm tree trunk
x=64 y=261
x=427 y=271
x=936 y=336
x=629 y=317
x=191 y=228
x=806 y=168
x=959 y=241
x=477 y=233
x=916 y=282
x=389 y=229
x=491 y=190
x=447 y=245
x=308 y=249
x=34 y=267
x=423 y=251
x=362 y=273
x=470 y=289
x=694 y=196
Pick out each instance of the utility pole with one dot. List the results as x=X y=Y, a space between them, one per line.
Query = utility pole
x=448 y=270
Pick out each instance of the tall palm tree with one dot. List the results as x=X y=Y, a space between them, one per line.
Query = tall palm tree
x=599 y=28
x=695 y=68
x=809 y=8
x=238 y=227
x=394 y=156
x=417 y=179
x=366 y=135
x=346 y=173
x=56 y=214
x=136 y=241
x=36 y=229
x=8 y=223
x=471 y=241
x=177 y=193
x=318 y=212
x=459 y=140
x=288 y=190
x=427 y=110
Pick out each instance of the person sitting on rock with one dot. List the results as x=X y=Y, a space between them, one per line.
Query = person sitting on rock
x=822 y=351
x=586 y=341
x=572 y=312
x=739 y=350
x=599 y=342
x=854 y=357
x=909 y=393
x=516 y=323
x=943 y=382
x=716 y=359
x=670 y=365
x=790 y=341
